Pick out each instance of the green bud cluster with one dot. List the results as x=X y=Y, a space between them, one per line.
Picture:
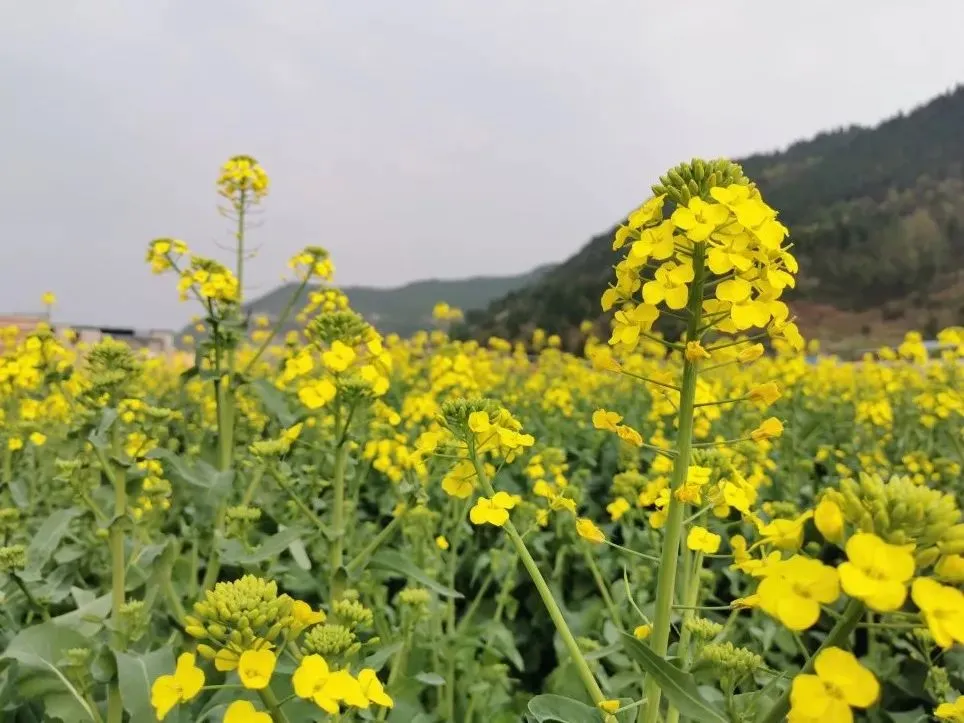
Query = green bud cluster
x=702 y=628
x=134 y=618
x=354 y=389
x=346 y=326
x=76 y=665
x=13 y=558
x=268 y=448
x=902 y=512
x=331 y=639
x=352 y=613
x=243 y=513
x=9 y=520
x=781 y=509
x=696 y=178
x=938 y=683
x=241 y=612
x=455 y=412
x=731 y=663
x=414 y=597
x=113 y=366
x=628 y=484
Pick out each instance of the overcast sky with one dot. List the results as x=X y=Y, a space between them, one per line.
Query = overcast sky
x=413 y=139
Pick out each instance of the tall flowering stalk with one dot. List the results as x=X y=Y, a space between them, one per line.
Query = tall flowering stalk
x=718 y=265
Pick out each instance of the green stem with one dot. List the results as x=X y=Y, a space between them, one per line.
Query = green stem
x=337 y=550
x=398 y=666
x=274 y=707
x=473 y=607
x=552 y=607
x=666 y=582
x=252 y=487
x=279 y=324
x=115 y=708
x=380 y=539
x=31 y=600
x=602 y=586
x=852 y=615
x=694 y=564
x=299 y=503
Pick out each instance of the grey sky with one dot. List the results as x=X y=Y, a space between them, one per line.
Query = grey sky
x=413 y=139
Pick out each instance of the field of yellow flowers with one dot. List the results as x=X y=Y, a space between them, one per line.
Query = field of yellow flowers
x=328 y=525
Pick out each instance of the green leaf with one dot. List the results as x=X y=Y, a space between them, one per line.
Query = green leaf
x=275 y=401
x=394 y=561
x=48 y=536
x=381 y=656
x=300 y=554
x=201 y=474
x=678 y=687
x=98 y=437
x=89 y=617
x=233 y=552
x=136 y=674
x=430 y=679
x=39 y=650
x=566 y=710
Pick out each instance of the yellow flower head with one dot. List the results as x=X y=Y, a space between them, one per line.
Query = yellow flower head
x=243 y=711
x=876 y=572
x=840 y=683
x=700 y=539
x=794 y=589
x=441 y=542
x=943 y=609
x=493 y=511
x=953 y=712
x=587 y=530
x=768 y=429
x=169 y=690
x=255 y=668
x=829 y=520
x=641 y=632
x=372 y=689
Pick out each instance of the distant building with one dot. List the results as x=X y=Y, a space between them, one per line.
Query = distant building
x=155 y=341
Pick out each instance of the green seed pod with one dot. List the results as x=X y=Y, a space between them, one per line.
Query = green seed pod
x=693 y=187
x=927 y=557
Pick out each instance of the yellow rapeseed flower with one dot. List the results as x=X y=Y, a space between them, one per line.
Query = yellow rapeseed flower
x=255 y=668
x=169 y=690
x=700 y=539
x=876 y=572
x=942 y=607
x=953 y=712
x=794 y=589
x=587 y=530
x=243 y=711
x=840 y=683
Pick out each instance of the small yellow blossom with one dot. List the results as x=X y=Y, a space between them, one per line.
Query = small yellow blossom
x=617 y=508
x=876 y=572
x=641 y=632
x=942 y=607
x=169 y=690
x=840 y=683
x=243 y=711
x=702 y=540
x=768 y=429
x=829 y=520
x=587 y=530
x=441 y=542
x=255 y=668
x=953 y=712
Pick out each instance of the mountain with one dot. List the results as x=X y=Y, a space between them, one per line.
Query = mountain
x=876 y=215
x=406 y=309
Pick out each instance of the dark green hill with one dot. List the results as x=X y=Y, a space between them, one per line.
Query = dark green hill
x=407 y=309
x=877 y=216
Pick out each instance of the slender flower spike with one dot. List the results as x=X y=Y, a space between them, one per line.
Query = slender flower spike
x=876 y=572
x=587 y=530
x=255 y=668
x=243 y=711
x=840 y=683
x=169 y=690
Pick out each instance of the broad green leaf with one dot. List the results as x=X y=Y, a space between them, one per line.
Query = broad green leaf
x=136 y=674
x=89 y=618
x=300 y=554
x=233 y=552
x=546 y=708
x=275 y=402
x=678 y=687
x=48 y=536
x=502 y=640
x=39 y=650
x=394 y=561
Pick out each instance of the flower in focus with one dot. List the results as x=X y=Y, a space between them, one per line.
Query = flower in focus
x=700 y=539
x=169 y=690
x=953 y=712
x=372 y=689
x=876 y=572
x=255 y=668
x=794 y=589
x=243 y=711
x=840 y=683
x=943 y=609
x=493 y=511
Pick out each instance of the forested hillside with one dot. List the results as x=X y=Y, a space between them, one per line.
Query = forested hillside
x=877 y=217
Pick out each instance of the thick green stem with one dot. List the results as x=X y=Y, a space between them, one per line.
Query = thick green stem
x=852 y=615
x=115 y=708
x=691 y=594
x=552 y=607
x=336 y=553
x=669 y=558
x=274 y=707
